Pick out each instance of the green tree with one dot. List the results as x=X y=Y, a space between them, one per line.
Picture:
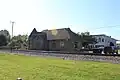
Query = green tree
x=4 y=34
x=3 y=40
x=87 y=39
x=19 y=41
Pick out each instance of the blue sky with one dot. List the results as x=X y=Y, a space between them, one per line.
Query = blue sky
x=79 y=15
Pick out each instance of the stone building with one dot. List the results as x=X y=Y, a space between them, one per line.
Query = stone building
x=57 y=39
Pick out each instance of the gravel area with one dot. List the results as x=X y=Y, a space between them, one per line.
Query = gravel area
x=111 y=59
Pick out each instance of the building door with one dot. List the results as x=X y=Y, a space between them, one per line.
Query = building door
x=53 y=46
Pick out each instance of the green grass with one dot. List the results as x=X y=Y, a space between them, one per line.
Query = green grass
x=37 y=68
x=119 y=50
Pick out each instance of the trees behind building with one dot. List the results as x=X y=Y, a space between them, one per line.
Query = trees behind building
x=87 y=39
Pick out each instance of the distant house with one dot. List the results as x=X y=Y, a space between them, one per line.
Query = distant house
x=104 y=40
x=57 y=39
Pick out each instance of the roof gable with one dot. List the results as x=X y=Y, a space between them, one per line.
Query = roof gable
x=55 y=34
x=33 y=32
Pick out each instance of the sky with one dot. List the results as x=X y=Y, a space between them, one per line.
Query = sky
x=78 y=15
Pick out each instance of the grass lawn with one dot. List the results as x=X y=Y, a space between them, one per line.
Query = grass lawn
x=37 y=68
x=119 y=50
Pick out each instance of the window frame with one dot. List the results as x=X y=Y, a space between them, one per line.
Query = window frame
x=62 y=44
x=76 y=44
x=103 y=40
x=53 y=44
x=99 y=39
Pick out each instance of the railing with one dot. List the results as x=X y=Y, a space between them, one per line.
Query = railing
x=39 y=52
x=65 y=52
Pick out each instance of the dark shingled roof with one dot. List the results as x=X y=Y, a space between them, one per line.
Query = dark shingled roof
x=56 y=34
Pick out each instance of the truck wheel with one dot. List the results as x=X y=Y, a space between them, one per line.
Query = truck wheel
x=116 y=52
x=105 y=52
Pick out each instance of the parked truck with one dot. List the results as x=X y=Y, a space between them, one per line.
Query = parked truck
x=111 y=50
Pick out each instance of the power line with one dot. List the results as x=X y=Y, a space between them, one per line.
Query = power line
x=105 y=27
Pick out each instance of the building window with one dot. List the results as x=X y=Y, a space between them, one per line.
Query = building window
x=102 y=40
x=99 y=39
x=111 y=44
x=96 y=40
x=75 y=44
x=53 y=44
x=96 y=46
x=61 y=44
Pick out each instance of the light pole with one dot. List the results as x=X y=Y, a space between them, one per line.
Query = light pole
x=12 y=35
x=12 y=27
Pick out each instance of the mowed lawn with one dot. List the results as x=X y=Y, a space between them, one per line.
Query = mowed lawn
x=38 y=68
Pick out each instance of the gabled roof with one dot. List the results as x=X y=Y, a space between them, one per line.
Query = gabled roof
x=33 y=31
x=56 y=34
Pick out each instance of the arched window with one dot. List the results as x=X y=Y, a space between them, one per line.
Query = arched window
x=75 y=44
x=111 y=44
x=61 y=44
x=99 y=39
x=53 y=44
x=102 y=39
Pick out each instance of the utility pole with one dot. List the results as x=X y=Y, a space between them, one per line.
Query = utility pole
x=12 y=35
x=12 y=28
